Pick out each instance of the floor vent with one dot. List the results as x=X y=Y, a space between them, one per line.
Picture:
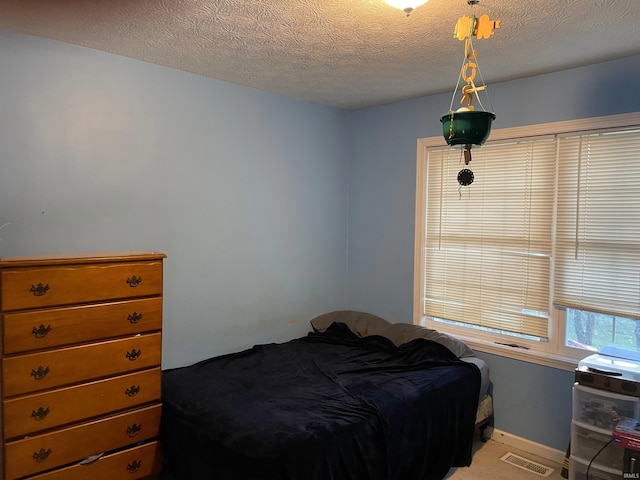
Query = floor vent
x=526 y=464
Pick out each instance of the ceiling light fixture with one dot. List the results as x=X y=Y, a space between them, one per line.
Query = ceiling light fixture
x=407 y=6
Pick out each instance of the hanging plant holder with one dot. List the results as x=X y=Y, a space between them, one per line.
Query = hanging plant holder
x=466 y=125
x=467 y=128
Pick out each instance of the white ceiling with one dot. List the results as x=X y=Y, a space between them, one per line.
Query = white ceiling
x=343 y=53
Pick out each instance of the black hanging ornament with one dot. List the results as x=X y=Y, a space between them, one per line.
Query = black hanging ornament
x=465 y=177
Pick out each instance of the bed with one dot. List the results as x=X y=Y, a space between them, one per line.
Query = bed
x=356 y=398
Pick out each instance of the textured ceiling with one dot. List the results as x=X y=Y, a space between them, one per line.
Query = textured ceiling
x=342 y=53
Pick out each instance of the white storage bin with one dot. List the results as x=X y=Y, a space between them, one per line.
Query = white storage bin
x=587 y=441
x=601 y=408
x=578 y=471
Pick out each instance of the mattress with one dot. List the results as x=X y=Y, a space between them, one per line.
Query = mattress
x=485 y=403
x=484 y=374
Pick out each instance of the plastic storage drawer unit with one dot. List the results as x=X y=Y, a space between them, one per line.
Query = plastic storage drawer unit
x=587 y=442
x=600 y=408
x=578 y=471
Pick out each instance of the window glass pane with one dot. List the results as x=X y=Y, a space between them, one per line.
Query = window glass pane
x=609 y=334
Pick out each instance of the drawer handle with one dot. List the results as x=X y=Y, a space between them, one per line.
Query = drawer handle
x=40 y=373
x=134 y=466
x=133 y=391
x=41 y=414
x=134 y=318
x=133 y=430
x=39 y=289
x=41 y=331
x=134 y=354
x=134 y=281
x=42 y=455
x=91 y=459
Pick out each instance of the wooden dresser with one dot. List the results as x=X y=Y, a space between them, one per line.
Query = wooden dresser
x=81 y=348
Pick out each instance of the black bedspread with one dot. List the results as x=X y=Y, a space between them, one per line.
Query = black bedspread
x=329 y=406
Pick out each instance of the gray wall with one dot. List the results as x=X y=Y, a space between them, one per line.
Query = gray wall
x=245 y=191
x=530 y=401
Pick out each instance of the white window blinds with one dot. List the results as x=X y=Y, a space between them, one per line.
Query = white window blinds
x=598 y=227
x=488 y=246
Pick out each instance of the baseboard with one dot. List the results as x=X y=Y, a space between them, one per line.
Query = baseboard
x=534 y=448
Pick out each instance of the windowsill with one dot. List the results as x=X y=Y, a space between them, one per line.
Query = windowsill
x=526 y=355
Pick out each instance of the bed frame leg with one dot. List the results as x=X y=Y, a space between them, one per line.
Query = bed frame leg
x=485 y=434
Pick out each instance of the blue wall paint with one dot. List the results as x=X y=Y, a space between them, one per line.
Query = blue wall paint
x=249 y=194
x=245 y=191
x=530 y=401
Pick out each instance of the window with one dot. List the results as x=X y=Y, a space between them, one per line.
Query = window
x=539 y=258
x=618 y=336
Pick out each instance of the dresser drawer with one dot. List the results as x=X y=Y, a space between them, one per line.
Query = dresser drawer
x=32 y=413
x=131 y=464
x=43 y=452
x=54 y=368
x=53 y=327
x=38 y=287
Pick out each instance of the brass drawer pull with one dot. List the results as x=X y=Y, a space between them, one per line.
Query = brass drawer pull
x=134 y=466
x=39 y=289
x=133 y=391
x=133 y=430
x=134 y=318
x=41 y=331
x=134 y=281
x=42 y=455
x=40 y=373
x=41 y=414
x=134 y=354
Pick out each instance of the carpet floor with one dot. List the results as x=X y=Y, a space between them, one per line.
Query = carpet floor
x=486 y=465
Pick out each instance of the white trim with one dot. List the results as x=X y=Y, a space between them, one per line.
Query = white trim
x=418 y=243
x=527 y=350
x=538 y=357
x=534 y=448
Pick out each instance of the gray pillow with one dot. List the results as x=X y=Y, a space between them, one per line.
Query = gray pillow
x=360 y=323
x=364 y=324
x=400 y=333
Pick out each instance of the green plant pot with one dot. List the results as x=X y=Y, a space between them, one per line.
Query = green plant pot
x=469 y=128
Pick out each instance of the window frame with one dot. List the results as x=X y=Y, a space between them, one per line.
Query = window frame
x=552 y=353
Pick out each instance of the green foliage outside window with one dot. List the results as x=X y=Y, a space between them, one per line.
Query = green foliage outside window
x=589 y=329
